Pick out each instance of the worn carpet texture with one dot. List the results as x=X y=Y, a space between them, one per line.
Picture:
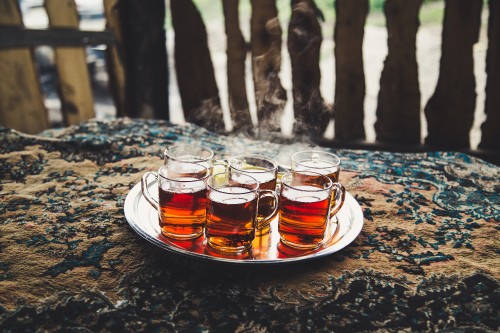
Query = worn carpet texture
x=426 y=260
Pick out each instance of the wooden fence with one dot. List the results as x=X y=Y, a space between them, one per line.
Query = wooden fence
x=139 y=73
x=136 y=62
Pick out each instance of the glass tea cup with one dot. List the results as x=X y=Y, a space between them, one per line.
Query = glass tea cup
x=192 y=153
x=325 y=163
x=182 y=198
x=265 y=170
x=232 y=206
x=304 y=209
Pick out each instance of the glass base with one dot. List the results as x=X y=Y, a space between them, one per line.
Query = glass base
x=300 y=246
x=181 y=237
x=229 y=250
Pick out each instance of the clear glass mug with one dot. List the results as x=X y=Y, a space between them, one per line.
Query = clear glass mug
x=327 y=164
x=265 y=170
x=232 y=206
x=182 y=198
x=304 y=209
x=192 y=153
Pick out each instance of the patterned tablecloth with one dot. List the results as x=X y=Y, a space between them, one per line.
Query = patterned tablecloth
x=427 y=258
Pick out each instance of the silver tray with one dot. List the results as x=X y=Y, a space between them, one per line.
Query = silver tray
x=266 y=247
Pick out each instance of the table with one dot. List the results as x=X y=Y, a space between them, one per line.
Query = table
x=427 y=258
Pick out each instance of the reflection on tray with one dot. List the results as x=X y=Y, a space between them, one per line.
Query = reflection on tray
x=266 y=248
x=266 y=245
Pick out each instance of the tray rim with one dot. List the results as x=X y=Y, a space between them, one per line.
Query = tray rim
x=135 y=194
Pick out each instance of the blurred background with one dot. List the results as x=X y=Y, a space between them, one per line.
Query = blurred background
x=374 y=47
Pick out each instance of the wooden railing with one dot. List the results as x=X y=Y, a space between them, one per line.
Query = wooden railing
x=21 y=98
x=139 y=72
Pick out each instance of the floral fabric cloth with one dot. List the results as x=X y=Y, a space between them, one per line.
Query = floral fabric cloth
x=427 y=258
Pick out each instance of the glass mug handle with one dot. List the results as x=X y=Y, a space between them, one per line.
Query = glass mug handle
x=145 y=190
x=223 y=163
x=264 y=194
x=339 y=198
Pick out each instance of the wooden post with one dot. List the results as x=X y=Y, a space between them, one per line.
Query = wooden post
x=490 y=138
x=194 y=68
x=75 y=90
x=236 y=55
x=312 y=114
x=114 y=57
x=142 y=26
x=350 y=76
x=265 y=43
x=21 y=98
x=398 y=109
x=450 y=110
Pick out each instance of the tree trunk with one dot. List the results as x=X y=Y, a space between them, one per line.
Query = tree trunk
x=265 y=42
x=350 y=76
x=145 y=58
x=195 y=72
x=236 y=55
x=398 y=109
x=450 y=110
x=312 y=114
x=491 y=127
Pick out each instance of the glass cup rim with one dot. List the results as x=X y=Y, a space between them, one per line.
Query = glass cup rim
x=290 y=173
x=180 y=144
x=166 y=177
x=335 y=163
x=256 y=156
x=255 y=183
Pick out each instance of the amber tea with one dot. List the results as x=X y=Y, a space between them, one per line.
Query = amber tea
x=232 y=206
x=267 y=180
x=318 y=161
x=303 y=219
x=325 y=168
x=265 y=170
x=231 y=220
x=304 y=209
x=182 y=212
x=182 y=198
x=327 y=164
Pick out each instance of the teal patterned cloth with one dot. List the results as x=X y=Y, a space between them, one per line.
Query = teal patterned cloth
x=427 y=258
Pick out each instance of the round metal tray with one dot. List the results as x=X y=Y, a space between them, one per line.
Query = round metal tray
x=266 y=247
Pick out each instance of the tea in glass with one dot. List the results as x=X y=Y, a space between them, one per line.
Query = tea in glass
x=191 y=153
x=232 y=211
x=182 y=198
x=265 y=170
x=304 y=209
x=327 y=164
